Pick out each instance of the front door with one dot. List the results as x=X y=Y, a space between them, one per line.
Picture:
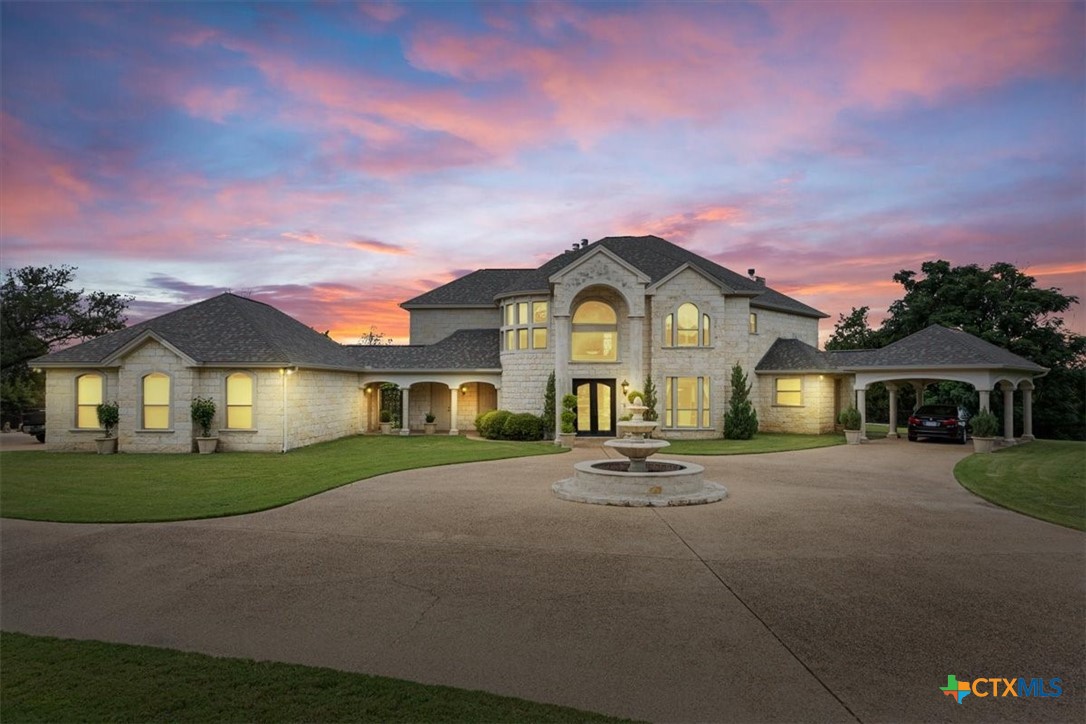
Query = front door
x=595 y=407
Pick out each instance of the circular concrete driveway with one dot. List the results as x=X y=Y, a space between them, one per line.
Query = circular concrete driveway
x=835 y=584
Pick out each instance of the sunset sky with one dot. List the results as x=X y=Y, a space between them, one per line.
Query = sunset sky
x=336 y=159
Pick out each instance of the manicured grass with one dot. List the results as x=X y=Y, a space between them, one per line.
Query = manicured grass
x=89 y=488
x=763 y=442
x=1044 y=479
x=55 y=680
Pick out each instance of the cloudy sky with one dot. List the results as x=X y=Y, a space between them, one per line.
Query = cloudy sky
x=335 y=159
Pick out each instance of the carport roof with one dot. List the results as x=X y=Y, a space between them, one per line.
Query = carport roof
x=934 y=347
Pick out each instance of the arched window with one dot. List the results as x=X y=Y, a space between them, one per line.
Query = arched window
x=687 y=327
x=595 y=333
x=88 y=395
x=239 y=401
x=156 y=401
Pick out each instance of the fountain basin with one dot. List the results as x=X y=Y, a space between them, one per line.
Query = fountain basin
x=636 y=449
x=664 y=483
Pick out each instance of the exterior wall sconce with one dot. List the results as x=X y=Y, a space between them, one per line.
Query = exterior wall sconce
x=368 y=390
x=288 y=370
x=625 y=387
x=464 y=390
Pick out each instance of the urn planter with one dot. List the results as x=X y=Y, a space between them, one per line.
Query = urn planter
x=852 y=437
x=106 y=445
x=983 y=444
x=430 y=427
x=207 y=445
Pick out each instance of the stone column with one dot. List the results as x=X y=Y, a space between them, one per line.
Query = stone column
x=1008 y=413
x=635 y=352
x=919 y=386
x=405 y=426
x=861 y=404
x=985 y=404
x=1027 y=414
x=562 y=383
x=892 y=389
x=454 y=408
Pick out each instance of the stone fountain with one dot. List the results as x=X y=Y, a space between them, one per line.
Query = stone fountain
x=637 y=481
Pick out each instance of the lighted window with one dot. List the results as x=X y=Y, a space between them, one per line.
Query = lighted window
x=595 y=333
x=239 y=401
x=510 y=315
x=752 y=323
x=687 y=327
x=522 y=313
x=511 y=339
x=522 y=338
x=88 y=395
x=789 y=391
x=539 y=338
x=156 y=402
x=525 y=326
x=539 y=312
x=686 y=402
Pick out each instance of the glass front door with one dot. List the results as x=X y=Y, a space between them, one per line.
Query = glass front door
x=595 y=407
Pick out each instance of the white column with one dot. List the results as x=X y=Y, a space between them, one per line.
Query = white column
x=1008 y=413
x=892 y=389
x=562 y=383
x=405 y=426
x=985 y=404
x=454 y=408
x=635 y=352
x=1027 y=414
x=861 y=404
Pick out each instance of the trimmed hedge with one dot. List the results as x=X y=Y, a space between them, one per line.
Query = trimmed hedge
x=494 y=422
x=522 y=426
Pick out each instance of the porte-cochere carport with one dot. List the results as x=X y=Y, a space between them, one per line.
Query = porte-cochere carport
x=938 y=353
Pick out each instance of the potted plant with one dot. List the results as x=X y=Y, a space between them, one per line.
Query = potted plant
x=109 y=414
x=985 y=427
x=850 y=420
x=569 y=420
x=203 y=415
x=386 y=422
x=430 y=425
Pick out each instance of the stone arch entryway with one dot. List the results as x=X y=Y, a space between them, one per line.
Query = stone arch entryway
x=454 y=399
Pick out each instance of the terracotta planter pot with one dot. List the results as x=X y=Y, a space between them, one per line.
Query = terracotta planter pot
x=983 y=444
x=207 y=445
x=106 y=445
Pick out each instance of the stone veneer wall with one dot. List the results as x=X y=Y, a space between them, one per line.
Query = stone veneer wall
x=147 y=358
x=433 y=325
x=323 y=405
x=267 y=432
x=60 y=431
x=815 y=416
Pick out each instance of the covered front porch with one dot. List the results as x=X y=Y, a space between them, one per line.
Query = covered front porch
x=453 y=400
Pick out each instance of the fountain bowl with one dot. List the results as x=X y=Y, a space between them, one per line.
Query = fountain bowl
x=664 y=483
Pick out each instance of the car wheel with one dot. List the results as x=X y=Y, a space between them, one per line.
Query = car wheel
x=963 y=437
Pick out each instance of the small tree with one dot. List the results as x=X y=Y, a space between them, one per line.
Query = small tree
x=109 y=414
x=649 y=400
x=740 y=421
x=203 y=414
x=549 y=397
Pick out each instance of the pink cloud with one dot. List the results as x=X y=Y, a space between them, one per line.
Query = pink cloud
x=214 y=104
x=378 y=247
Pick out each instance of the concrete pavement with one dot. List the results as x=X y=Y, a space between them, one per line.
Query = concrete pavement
x=832 y=585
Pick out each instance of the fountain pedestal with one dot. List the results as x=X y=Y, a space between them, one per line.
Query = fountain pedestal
x=638 y=481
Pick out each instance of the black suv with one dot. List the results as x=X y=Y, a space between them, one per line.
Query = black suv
x=945 y=421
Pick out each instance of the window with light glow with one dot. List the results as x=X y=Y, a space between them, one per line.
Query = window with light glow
x=686 y=402
x=789 y=391
x=595 y=333
x=752 y=323
x=239 y=401
x=156 y=402
x=687 y=327
x=525 y=325
x=88 y=395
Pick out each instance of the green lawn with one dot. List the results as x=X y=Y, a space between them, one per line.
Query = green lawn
x=763 y=442
x=1045 y=479
x=55 y=680
x=89 y=488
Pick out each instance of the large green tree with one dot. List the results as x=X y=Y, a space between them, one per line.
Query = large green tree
x=41 y=312
x=1003 y=306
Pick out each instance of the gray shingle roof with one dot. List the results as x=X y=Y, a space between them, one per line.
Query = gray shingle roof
x=936 y=346
x=653 y=256
x=478 y=288
x=226 y=329
x=465 y=349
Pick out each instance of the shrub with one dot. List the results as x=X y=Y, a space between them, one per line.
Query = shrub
x=740 y=421
x=649 y=400
x=494 y=422
x=386 y=416
x=569 y=414
x=984 y=424
x=850 y=418
x=549 y=397
x=522 y=426
x=203 y=414
x=430 y=417
x=482 y=422
x=632 y=396
x=109 y=414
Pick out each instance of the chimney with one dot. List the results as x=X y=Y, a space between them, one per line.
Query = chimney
x=576 y=246
x=584 y=243
x=750 y=273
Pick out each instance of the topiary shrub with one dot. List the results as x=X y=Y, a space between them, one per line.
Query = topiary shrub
x=740 y=421
x=984 y=424
x=494 y=422
x=649 y=400
x=549 y=407
x=850 y=418
x=632 y=396
x=522 y=426
x=569 y=414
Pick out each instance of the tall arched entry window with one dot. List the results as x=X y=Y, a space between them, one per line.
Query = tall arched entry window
x=595 y=333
